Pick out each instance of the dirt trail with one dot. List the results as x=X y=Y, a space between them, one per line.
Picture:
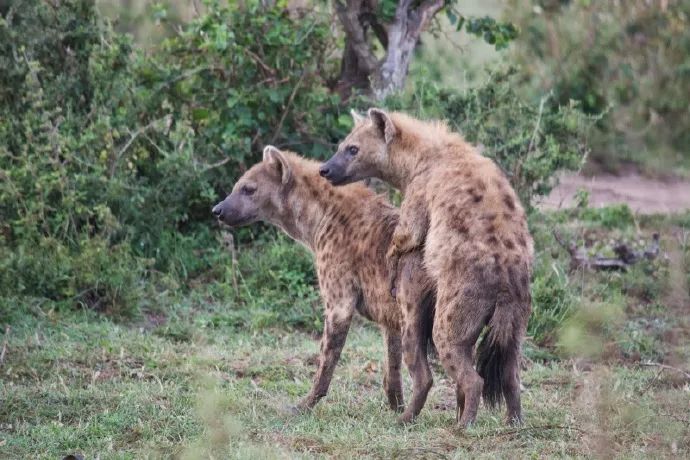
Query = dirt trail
x=643 y=195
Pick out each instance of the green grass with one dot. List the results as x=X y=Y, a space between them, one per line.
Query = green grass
x=185 y=383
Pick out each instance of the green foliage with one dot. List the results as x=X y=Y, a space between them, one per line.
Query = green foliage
x=498 y=34
x=112 y=156
x=273 y=283
x=613 y=216
x=552 y=302
x=100 y=141
x=495 y=33
x=530 y=142
x=637 y=64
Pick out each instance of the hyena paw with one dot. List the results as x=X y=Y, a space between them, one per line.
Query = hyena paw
x=406 y=418
x=301 y=407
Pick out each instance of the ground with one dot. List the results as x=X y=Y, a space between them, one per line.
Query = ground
x=186 y=382
x=643 y=194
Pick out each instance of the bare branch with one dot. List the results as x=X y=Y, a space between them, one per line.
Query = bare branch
x=682 y=372
x=287 y=107
x=626 y=255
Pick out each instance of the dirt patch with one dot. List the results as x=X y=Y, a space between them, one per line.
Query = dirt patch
x=643 y=195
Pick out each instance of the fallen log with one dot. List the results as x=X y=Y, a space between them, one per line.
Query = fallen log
x=626 y=256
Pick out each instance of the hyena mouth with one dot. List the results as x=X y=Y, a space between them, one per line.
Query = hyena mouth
x=343 y=180
x=237 y=222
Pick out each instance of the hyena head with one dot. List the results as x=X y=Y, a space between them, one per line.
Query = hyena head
x=257 y=195
x=364 y=152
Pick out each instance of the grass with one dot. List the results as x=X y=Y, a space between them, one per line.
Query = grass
x=181 y=383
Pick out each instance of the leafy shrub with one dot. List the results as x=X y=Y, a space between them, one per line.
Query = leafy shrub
x=100 y=141
x=111 y=156
x=273 y=283
x=631 y=57
x=529 y=141
x=91 y=273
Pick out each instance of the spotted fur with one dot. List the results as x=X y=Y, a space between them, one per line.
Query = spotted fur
x=348 y=229
x=478 y=251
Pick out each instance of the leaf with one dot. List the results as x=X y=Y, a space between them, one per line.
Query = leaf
x=200 y=114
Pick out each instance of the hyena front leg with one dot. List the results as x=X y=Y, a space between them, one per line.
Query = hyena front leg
x=410 y=232
x=392 y=381
x=336 y=325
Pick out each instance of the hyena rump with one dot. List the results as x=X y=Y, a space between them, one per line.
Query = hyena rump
x=348 y=229
x=461 y=210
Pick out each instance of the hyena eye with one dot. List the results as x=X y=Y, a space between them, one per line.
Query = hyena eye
x=248 y=190
x=352 y=150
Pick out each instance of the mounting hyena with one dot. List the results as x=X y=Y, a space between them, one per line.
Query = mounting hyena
x=348 y=229
x=478 y=252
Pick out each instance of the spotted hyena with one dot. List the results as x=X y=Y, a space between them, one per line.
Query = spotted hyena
x=348 y=229
x=461 y=210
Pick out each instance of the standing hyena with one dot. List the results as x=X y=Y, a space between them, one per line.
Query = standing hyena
x=348 y=229
x=478 y=251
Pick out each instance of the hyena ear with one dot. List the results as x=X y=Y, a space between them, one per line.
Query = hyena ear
x=358 y=119
x=275 y=157
x=384 y=124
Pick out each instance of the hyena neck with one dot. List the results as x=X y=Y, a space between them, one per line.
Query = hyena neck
x=403 y=167
x=302 y=213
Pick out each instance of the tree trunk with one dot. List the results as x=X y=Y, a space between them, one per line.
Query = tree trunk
x=360 y=68
x=403 y=36
x=392 y=72
x=352 y=74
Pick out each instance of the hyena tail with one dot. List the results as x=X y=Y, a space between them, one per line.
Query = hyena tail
x=498 y=354
x=428 y=307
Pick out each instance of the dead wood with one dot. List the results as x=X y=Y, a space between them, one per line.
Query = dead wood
x=626 y=256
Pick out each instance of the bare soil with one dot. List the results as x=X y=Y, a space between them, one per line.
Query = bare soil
x=642 y=194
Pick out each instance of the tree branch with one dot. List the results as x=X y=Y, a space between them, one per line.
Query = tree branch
x=425 y=13
x=626 y=255
x=349 y=18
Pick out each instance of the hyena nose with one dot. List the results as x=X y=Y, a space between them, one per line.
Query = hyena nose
x=324 y=171
x=217 y=210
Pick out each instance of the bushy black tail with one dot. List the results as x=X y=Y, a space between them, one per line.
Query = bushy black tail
x=498 y=349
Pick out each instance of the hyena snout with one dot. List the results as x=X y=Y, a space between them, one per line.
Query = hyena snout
x=324 y=171
x=217 y=211
x=335 y=171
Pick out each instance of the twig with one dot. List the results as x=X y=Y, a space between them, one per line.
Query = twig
x=675 y=417
x=215 y=165
x=187 y=74
x=229 y=241
x=667 y=367
x=4 y=345
x=651 y=382
x=255 y=57
x=124 y=148
x=543 y=427
x=287 y=107
x=537 y=124
x=535 y=132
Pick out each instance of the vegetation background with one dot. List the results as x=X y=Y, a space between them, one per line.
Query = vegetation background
x=133 y=325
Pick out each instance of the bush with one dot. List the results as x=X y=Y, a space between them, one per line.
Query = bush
x=637 y=63
x=111 y=156
x=530 y=142
x=272 y=284
x=104 y=146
